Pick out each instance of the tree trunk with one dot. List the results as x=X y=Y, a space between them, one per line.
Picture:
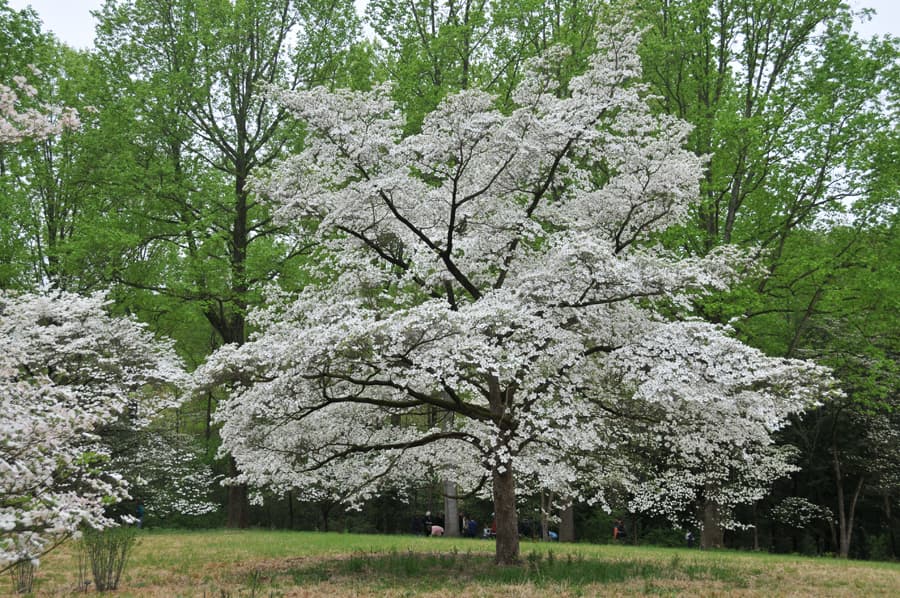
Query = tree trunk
x=845 y=519
x=238 y=510
x=451 y=493
x=845 y=513
x=290 y=506
x=507 y=552
x=451 y=509
x=325 y=511
x=713 y=535
x=755 y=529
x=567 y=524
x=546 y=505
x=889 y=521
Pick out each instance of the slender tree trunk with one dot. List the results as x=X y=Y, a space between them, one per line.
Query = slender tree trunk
x=325 y=510
x=713 y=535
x=889 y=521
x=845 y=519
x=834 y=535
x=567 y=523
x=755 y=529
x=290 y=505
x=507 y=519
x=845 y=513
x=546 y=505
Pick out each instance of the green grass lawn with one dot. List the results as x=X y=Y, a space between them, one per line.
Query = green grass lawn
x=277 y=563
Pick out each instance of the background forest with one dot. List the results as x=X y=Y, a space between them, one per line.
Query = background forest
x=154 y=200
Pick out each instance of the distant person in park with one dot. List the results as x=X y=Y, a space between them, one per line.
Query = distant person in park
x=619 y=532
x=472 y=528
x=689 y=539
x=437 y=530
x=139 y=511
x=428 y=523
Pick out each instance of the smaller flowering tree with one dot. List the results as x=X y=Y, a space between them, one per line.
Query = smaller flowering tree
x=701 y=438
x=67 y=371
x=164 y=471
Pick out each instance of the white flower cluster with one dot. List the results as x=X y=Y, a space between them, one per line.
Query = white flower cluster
x=18 y=123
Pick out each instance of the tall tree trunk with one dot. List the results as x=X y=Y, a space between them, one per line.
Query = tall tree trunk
x=713 y=535
x=567 y=523
x=507 y=519
x=451 y=509
x=325 y=511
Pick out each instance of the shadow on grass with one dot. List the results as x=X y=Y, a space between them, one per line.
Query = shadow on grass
x=456 y=569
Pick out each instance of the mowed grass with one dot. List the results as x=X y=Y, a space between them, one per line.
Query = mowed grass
x=277 y=563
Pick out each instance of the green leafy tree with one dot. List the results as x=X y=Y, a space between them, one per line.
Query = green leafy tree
x=201 y=72
x=785 y=101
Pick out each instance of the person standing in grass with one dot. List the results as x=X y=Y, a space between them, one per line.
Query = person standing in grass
x=619 y=532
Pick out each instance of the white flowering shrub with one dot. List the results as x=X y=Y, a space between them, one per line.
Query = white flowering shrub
x=67 y=369
x=798 y=512
x=496 y=266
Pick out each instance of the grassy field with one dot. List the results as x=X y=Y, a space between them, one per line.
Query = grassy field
x=275 y=564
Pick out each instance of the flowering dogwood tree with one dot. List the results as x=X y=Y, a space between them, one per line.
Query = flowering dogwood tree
x=67 y=369
x=488 y=267
x=163 y=469
x=705 y=407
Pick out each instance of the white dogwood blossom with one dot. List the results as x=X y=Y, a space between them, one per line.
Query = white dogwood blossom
x=486 y=267
x=19 y=122
x=67 y=369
